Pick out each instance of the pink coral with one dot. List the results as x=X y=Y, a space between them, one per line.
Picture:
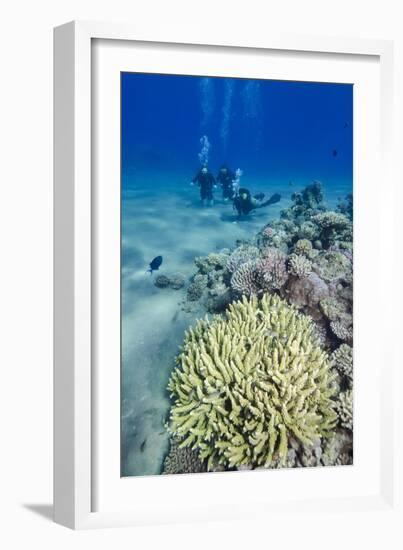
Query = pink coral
x=271 y=270
x=268 y=232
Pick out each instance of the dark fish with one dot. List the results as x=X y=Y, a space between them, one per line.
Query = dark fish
x=175 y=317
x=346 y=125
x=142 y=446
x=334 y=152
x=155 y=264
x=290 y=183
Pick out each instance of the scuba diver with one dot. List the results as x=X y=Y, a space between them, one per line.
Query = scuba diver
x=244 y=203
x=206 y=181
x=225 y=178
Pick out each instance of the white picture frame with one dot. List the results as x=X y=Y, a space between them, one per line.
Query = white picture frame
x=79 y=425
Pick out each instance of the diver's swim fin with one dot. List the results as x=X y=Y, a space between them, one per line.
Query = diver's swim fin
x=273 y=199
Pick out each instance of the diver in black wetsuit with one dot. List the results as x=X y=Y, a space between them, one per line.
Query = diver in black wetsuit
x=206 y=181
x=244 y=203
x=225 y=178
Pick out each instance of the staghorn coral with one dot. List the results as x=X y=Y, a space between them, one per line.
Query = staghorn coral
x=249 y=381
x=342 y=359
x=344 y=408
x=243 y=281
x=182 y=460
x=271 y=270
x=303 y=247
x=299 y=266
x=241 y=255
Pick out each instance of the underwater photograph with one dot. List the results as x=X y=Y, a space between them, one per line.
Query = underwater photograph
x=236 y=274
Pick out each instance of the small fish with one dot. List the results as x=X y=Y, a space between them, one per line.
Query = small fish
x=155 y=264
x=334 y=152
x=346 y=125
x=143 y=445
x=290 y=183
x=175 y=317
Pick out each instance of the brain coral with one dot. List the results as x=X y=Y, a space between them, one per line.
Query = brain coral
x=248 y=382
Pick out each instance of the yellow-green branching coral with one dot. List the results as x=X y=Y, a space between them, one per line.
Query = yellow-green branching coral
x=248 y=381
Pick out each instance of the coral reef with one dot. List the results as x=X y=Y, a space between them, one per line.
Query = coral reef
x=212 y=262
x=306 y=293
x=299 y=266
x=308 y=231
x=333 y=265
x=338 y=450
x=175 y=281
x=258 y=276
x=182 y=460
x=334 y=227
x=271 y=270
x=241 y=255
x=248 y=382
x=341 y=331
x=303 y=263
x=342 y=359
x=344 y=408
x=197 y=287
x=304 y=247
x=243 y=281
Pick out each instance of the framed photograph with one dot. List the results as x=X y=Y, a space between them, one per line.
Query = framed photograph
x=219 y=276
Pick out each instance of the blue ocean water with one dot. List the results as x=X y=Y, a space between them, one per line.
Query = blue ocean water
x=282 y=135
